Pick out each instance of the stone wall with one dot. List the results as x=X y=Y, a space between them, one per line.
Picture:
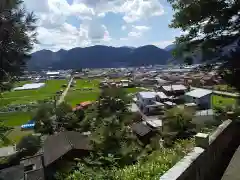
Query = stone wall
x=210 y=158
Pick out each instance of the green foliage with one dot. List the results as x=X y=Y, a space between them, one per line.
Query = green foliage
x=209 y=25
x=178 y=119
x=114 y=142
x=149 y=168
x=49 y=118
x=17 y=29
x=27 y=96
x=12 y=119
x=85 y=173
x=221 y=101
x=44 y=119
x=117 y=154
x=29 y=145
x=3 y=130
x=112 y=138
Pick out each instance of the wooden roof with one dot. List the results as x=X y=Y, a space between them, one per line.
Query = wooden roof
x=57 y=145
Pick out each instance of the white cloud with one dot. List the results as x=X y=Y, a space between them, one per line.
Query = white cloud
x=55 y=33
x=132 y=10
x=68 y=36
x=139 y=9
x=141 y=28
x=137 y=31
x=123 y=27
x=134 y=34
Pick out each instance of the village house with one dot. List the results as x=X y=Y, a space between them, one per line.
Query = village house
x=64 y=147
x=174 y=90
x=148 y=102
x=201 y=97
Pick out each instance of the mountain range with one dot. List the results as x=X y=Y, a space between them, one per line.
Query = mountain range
x=98 y=57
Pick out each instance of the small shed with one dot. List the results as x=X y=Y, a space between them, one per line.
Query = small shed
x=143 y=132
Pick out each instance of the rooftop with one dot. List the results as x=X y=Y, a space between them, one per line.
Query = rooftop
x=147 y=95
x=198 y=93
x=141 y=129
x=176 y=87
x=12 y=173
x=155 y=123
x=57 y=145
x=162 y=95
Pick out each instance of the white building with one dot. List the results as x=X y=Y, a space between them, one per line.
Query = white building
x=201 y=97
x=53 y=74
x=148 y=102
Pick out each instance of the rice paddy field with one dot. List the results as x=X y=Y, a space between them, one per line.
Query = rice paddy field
x=18 y=118
x=218 y=101
x=26 y=96
x=12 y=119
x=81 y=92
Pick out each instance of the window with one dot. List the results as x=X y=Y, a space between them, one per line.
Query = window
x=29 y=167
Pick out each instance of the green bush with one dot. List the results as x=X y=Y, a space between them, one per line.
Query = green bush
x=150 y=168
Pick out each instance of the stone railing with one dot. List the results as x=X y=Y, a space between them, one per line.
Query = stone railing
x=209 y=159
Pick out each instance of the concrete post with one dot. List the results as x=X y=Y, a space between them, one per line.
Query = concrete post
x=202 y=140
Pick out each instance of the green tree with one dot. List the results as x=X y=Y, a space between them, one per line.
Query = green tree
x=114 y=142
x=17 y=29
x=112 y=100
x=66 y=119
x=3 y=130
x=44 y=119
x=29 y=145
x=178 y=120
x=49 y=119
x=209 y=26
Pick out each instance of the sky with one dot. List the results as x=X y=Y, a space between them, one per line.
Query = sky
x=65 y=24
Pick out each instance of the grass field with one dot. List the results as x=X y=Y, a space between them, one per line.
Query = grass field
x=222 y=101
x=76 y=96
x=16 y=135
x=26 y=96
x=15 y=118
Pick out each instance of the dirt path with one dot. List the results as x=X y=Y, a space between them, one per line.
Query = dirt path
x=61 y=99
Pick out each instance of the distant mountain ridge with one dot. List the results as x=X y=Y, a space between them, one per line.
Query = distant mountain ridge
x=98 y=57
x=170 y=47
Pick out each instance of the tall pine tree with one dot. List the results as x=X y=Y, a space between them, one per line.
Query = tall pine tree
x=17 y=29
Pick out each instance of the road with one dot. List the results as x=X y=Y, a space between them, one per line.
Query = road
x=61 y=99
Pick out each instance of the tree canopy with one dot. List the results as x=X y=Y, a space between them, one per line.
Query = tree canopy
x=209 y=26
x=29 y=145
x=111 y=136
x=17 y=29
x=50 y=119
